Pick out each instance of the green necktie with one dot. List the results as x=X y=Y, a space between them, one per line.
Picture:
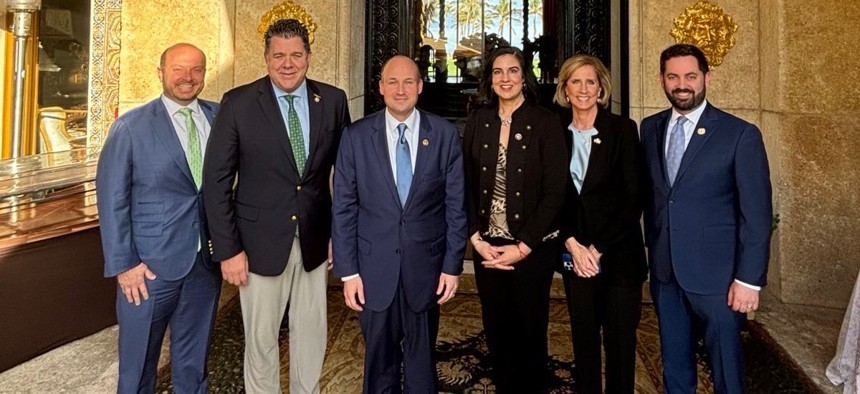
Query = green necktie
x=296 y=138
x=195 y=158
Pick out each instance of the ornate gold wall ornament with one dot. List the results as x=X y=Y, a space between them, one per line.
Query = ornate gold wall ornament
x=709 y=28
x=288 y=10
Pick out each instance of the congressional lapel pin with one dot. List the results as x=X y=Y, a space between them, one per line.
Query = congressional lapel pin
x=425 y=142
x=518 y=136
x=700 y=131
x=316 y=98
x=597 y=141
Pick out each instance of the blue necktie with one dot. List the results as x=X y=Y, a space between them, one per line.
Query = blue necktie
x=404 y=165
x=676 y=149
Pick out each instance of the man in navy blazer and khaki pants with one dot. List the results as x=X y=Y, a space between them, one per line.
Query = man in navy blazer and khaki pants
x=153 y=228
x=707 y=224
x=399 y=230
x=278 y=135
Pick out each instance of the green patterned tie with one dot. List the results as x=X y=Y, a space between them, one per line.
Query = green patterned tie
x=195 y=158
x=296 y=138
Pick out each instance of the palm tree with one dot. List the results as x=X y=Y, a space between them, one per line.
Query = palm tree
x=503 y=12
x=468 y=14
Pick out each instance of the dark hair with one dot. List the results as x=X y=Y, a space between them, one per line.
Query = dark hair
x=288 y=28
x=679 y=50
x=485 y=87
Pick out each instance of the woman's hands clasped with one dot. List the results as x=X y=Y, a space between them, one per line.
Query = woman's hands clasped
x=586 y=260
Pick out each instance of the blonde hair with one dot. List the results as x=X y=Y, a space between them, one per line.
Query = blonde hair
x=574 y=63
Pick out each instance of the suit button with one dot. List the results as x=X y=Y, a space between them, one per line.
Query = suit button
x=483 y=212
x=671 y=201
x=517 y=194
x=484 y=168
x=486 y=125
x=519 y=170
x=298 y=187
x=485 y=191
x=195 y=226
x=524 y=147
x=486 y=146
x=293 y=218
x=516 y=216
x=528 y=127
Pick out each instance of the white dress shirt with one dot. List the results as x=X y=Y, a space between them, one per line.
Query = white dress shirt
x=178 y=121
x=392 y=135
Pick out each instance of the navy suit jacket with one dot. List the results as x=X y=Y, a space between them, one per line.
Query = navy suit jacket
x=384 y=243
x=714 y=224
x=149 y=207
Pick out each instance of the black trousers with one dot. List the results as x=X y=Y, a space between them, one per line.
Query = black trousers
x=595 y=304
x=515 y=307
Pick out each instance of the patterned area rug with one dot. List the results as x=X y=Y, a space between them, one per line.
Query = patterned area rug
x=462 y=353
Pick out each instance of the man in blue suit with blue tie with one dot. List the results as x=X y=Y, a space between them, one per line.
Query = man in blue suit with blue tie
x=707 y=224
x=399 y=230
x=153 y=228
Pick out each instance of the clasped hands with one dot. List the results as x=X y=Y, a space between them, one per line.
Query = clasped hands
x=500 y=257
x=586 y=260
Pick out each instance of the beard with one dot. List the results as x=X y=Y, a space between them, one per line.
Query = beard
x=688 y=104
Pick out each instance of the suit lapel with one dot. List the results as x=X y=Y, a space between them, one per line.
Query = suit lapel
x=600 y=145
x=269 y=106
x=315 y=111
x=424 y=132
x=162 y=126
x=706 y=123
x=380 y=144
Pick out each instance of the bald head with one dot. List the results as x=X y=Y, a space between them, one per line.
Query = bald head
x=401 y=61
x=182 y=46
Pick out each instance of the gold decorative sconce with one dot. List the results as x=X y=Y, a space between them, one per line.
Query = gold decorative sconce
x=706 y=26
x=288 y=10
x=19 y=138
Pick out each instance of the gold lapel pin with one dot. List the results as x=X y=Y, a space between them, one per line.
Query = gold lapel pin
x=518 y=136
x=425 y=142
x=597 y=141
x=316 y=98
x=700 y=131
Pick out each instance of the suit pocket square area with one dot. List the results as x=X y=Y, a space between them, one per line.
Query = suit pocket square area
x=248 y=213
x=147 y=229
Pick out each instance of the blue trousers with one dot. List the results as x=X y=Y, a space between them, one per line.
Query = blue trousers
x=188 y=306
x=684 y=317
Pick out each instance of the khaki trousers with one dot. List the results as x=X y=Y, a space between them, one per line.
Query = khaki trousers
x=263 y=301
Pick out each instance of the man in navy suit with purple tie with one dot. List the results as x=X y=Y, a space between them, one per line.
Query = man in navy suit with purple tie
x=707 y=224
x=399 y=230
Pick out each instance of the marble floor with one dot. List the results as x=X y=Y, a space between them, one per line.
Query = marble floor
x=786 y=343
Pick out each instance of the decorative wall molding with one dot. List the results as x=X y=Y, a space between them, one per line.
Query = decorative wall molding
x=105 y=45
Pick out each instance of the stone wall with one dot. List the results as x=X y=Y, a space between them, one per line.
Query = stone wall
x=226 y=30
x=790 y=72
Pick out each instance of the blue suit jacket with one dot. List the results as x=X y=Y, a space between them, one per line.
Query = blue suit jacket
x=384 y=243
x=714 y=225
x=149 y=207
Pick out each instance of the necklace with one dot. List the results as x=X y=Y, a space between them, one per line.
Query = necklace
x=505 y=121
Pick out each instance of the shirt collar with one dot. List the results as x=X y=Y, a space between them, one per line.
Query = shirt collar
x=300 y=92
x=173 y=107
x=692 y=117
x=411 y=121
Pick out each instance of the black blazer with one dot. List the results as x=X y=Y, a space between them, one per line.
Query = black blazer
x=271 y=198
x=606 y=212
x=535 y=171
